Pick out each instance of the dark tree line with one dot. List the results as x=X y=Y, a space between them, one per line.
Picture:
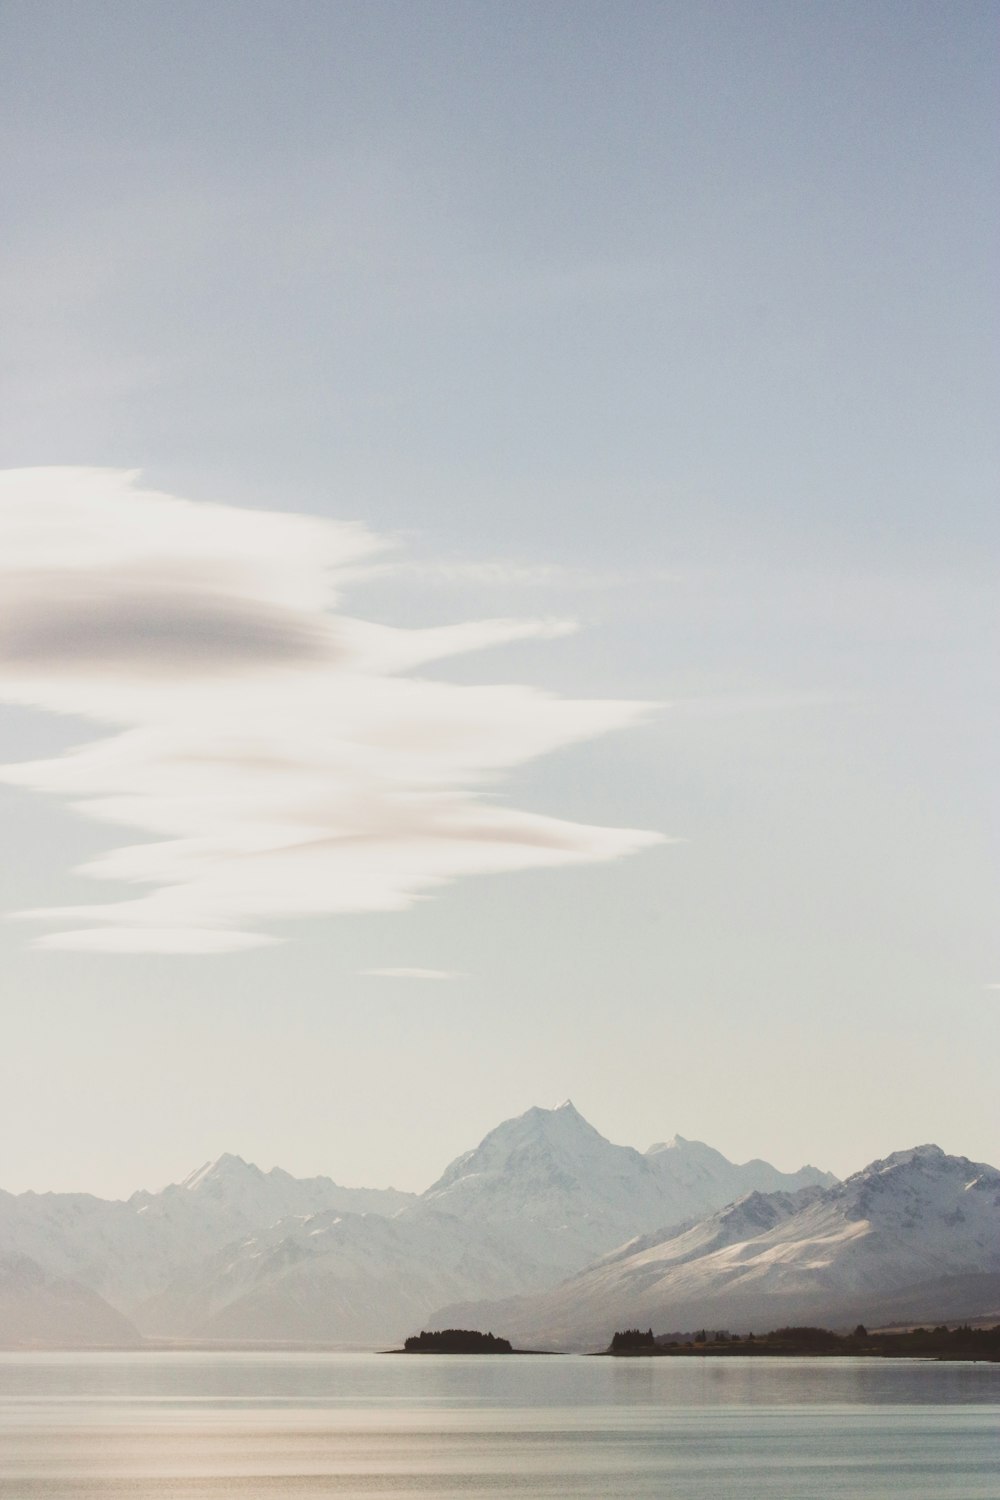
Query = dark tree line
x=632 y=1338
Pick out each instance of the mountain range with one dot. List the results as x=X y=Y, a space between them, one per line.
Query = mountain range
x=233 y=1253
x=914 y=1237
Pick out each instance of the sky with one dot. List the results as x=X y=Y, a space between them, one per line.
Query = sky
x=498 y=552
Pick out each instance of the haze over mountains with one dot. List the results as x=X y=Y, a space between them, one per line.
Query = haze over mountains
x=235 y=1253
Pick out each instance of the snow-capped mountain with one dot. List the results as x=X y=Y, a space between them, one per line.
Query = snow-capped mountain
x=541 y=1195
x=569 y=1195
x=235 y=1252
x=243 y=1188
x=130 y=1250
x=702 y=1177
x=915 y=1235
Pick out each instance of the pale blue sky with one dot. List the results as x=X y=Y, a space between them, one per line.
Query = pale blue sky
x=679 y=320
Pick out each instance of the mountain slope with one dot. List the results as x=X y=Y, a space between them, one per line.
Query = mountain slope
x=128 y=1251
x=38 y=1310
x=235 y=1252
x=901 y=1237
x=567 y=1195
x=343 y=1278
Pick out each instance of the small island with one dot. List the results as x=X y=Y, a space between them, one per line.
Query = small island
x=456 y=1341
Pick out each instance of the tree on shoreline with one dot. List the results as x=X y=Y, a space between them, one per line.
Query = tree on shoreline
x=632 y=1338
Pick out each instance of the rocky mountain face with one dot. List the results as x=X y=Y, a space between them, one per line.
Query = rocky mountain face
x=916 y=1235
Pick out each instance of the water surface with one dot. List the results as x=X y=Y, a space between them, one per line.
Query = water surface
x=196 y=1426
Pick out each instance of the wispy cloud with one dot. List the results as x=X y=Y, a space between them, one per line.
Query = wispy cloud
x=510 y=573
x=411 y=974
x=282 y=754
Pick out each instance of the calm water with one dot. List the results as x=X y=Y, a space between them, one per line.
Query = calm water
x=294 y=1426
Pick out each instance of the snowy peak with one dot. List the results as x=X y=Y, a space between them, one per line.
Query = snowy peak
x=917 y=1189
x=552 y=1182
x=214 y=1176
x=531 y=1143
x=675 y=1143
x=925 y=1165
x=238 y=1187
x=524 y=1142
x=700 y=1179
x=569 y=1195
x=927 y=1157
x=680 y=1155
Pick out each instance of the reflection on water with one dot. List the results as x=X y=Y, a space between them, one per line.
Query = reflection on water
x=263 y=1426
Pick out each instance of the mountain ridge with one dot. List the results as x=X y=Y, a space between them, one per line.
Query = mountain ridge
x=543 y=1194
x=235 y=1251
x=917 y=1232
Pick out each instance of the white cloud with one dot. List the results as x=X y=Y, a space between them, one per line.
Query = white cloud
x=274 y=748
x=411 y=974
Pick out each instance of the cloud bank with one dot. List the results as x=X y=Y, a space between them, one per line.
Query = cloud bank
x=285 y=757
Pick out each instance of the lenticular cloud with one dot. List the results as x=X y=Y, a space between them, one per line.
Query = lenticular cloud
x=278 y=758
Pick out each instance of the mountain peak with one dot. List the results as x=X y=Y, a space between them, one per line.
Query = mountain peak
x=926 y=1153
x=535 y=1158
x=694 y=1150
x=225 y=1168
x=919 y=1186
x=899 y=1162
x=675 y=1143
x=564 y=1122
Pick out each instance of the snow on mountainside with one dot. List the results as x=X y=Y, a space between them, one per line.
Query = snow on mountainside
x=748 y=1216
x=903 y=1237
x=342 y=1278
x=541 y=1195
x=707 y=1178
x=243 y=1188
x=128 y=1251
x=568 y=1195
x=266 y=1255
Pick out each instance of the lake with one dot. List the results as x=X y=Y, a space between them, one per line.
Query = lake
x=293 y=1426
